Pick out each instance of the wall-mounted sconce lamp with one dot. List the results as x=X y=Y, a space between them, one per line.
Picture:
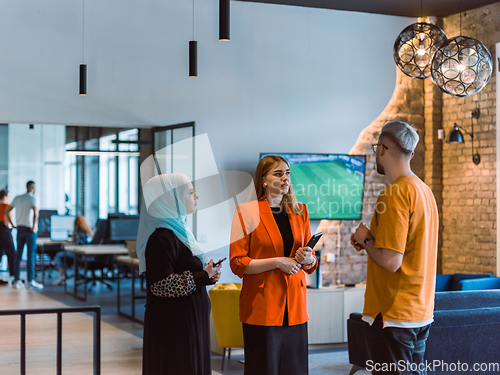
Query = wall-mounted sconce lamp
x=456 y=136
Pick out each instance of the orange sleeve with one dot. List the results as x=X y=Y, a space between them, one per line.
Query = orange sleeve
x=392 y=218
x=240 y=243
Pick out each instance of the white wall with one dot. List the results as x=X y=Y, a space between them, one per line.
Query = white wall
x=291 y=79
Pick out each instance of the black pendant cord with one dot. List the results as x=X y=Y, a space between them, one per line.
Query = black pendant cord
x=460 y=17
x=83 y=32
x=193 y=19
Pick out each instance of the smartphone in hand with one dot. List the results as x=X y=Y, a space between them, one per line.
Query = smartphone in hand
x=219 y=262
x=314 y=240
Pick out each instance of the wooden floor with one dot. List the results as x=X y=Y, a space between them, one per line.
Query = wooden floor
x=121 y=347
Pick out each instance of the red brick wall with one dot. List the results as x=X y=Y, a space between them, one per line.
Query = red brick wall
x=469 y=191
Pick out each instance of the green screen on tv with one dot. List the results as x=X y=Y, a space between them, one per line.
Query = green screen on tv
x=331 y=185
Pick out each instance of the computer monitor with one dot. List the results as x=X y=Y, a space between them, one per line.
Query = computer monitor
x=61 y=227
x=44 y=222
x=123 y=228
x=101 y=229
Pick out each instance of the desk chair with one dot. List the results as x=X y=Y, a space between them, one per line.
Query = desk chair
x=47 y=254
x=225 y=311
x=102 y=263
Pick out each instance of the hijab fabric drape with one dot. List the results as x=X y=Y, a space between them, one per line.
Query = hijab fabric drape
x=164 y=206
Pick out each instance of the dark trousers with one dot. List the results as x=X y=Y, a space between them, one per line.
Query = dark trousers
x=275 y=350
x=26 y=237
x=7 y=247
x=398 y=351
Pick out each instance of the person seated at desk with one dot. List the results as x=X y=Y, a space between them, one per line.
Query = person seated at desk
x=82 y=235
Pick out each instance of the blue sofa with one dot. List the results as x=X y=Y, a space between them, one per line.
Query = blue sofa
x=481 y=284
x=466 y=328
x=454 y=282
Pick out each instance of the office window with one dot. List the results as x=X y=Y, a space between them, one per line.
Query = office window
x=70 y=188
x=105 y=182
x=128 y=175
x=119 y=176
x=90 y=176
x=107 y=176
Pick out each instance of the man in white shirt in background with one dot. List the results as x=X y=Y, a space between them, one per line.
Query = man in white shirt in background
x=27 y=227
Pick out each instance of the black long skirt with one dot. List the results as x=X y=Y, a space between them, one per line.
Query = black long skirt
x=276 y=350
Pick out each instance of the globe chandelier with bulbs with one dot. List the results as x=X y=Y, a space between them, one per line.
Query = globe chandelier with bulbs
x=462 y=66
x=415 y=47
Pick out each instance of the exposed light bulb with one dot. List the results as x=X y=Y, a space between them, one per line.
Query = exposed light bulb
x=421 y=44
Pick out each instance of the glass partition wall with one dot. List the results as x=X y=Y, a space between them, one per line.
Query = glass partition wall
x=90 y=171
x=102 y=172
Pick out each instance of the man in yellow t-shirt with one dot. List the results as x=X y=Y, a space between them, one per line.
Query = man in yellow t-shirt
x=402 y=253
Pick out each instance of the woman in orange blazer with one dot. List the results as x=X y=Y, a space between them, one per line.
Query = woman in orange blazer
x=268 y=251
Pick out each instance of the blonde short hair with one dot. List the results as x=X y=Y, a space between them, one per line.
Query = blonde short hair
x=402 y=134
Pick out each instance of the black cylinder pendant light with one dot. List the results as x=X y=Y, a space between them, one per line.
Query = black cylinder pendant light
x=223 y=20
x=193 y=58
x=83 y=67
x=83 y=79
x=193 y=54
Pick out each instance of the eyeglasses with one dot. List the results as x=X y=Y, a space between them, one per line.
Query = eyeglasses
x=375 y=146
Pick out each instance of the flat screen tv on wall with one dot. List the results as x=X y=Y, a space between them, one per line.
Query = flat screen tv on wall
x=331 y=185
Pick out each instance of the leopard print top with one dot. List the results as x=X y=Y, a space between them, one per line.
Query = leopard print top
x=175 y=285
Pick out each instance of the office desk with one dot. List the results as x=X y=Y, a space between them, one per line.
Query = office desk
x=85 y=252
x=45 y=245
x=133 y=265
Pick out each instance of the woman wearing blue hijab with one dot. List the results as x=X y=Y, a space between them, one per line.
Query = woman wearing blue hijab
x=176 y=322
